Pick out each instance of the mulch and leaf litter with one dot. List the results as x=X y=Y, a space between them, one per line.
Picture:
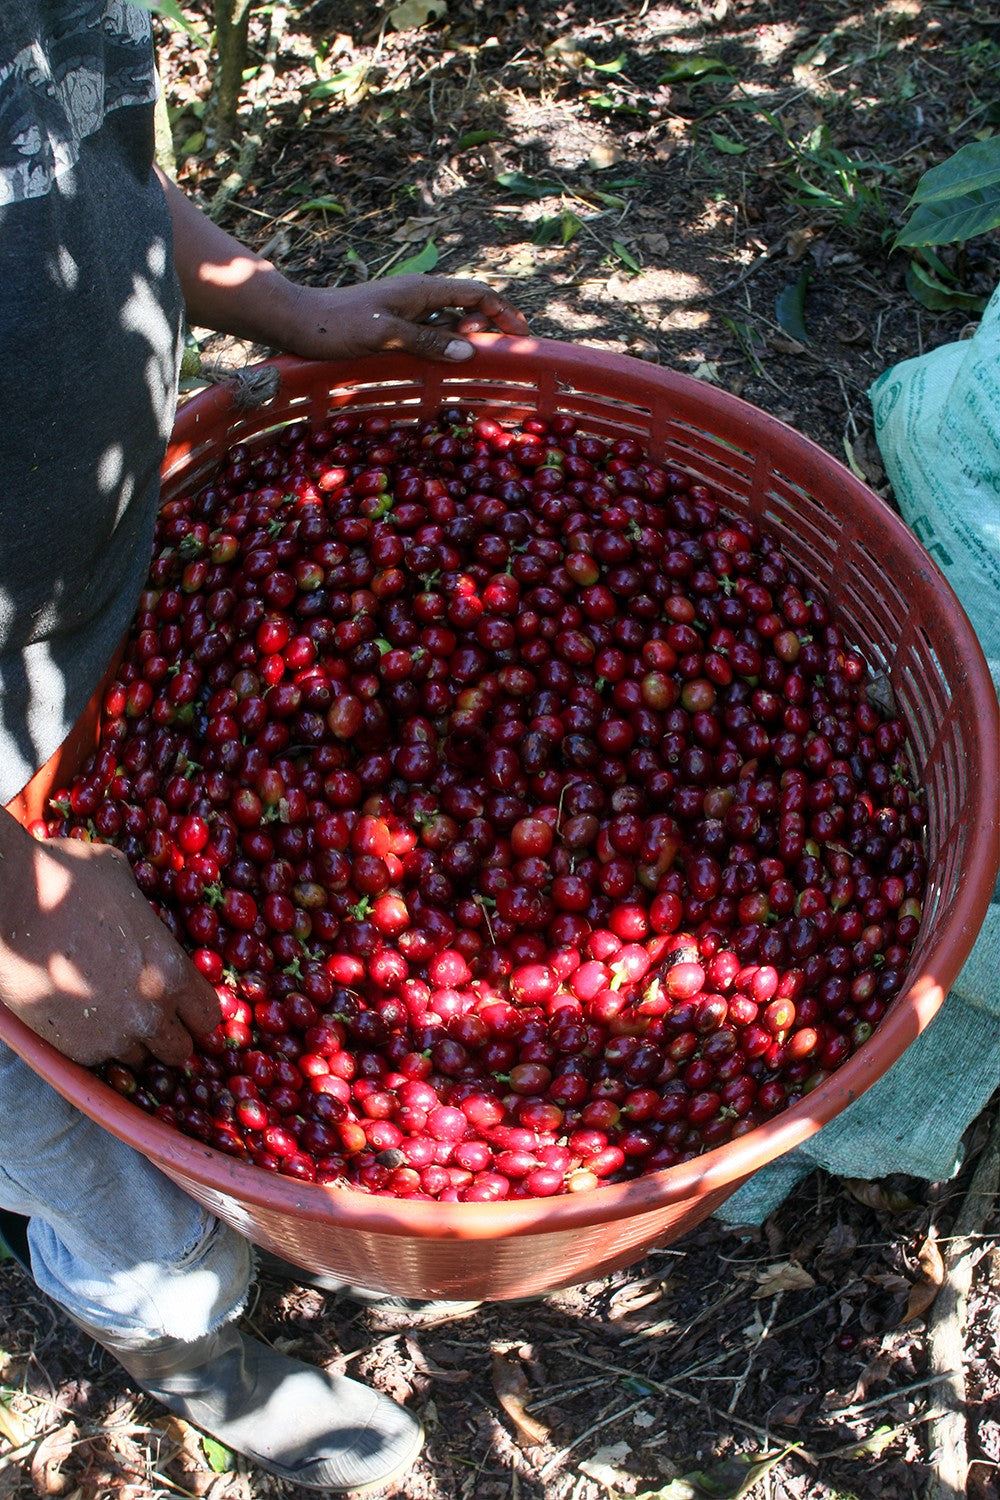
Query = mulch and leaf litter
x=712 y=187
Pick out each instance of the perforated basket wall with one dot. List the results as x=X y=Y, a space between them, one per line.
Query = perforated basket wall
x=892 y=601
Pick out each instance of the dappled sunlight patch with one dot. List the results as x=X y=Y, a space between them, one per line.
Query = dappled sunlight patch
x=897 y=10
x=684 y=318
x=659 y=286
x=777 y=40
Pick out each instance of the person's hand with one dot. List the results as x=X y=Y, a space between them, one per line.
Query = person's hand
x=85 y=961
x=232 y=289
x=341 y=322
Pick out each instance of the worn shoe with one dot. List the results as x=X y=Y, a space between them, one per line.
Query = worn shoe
x=305 y=1425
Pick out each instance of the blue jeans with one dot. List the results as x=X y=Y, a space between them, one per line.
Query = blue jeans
x=112 y=1239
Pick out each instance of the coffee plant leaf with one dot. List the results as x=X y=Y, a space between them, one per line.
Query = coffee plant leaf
x=730 y=1479
x=974 y=167
x=526 y=187
x=685 y=69
x=934 y=294
x=726 y=146
x=789 y=307
x=424 y=260
x=220 y=1458
x=171 y=11
x=626 y=257
x=944 y=222
x=478 y=138
x=957 y=199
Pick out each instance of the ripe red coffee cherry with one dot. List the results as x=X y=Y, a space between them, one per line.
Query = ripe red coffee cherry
x=527 y=809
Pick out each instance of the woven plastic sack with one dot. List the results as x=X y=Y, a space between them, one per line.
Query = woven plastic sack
x=937 y=424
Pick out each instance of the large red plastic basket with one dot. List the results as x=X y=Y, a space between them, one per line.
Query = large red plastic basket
x=893 y=602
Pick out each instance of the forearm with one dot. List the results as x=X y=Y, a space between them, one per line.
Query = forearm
x=226 y=286
x=229 y=288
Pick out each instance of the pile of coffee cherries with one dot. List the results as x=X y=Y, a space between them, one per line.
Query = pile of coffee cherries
x=532 y=816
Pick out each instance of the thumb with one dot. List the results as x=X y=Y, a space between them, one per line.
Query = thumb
x=457 y=349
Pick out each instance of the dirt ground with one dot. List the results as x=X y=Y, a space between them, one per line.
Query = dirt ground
x=715 y=187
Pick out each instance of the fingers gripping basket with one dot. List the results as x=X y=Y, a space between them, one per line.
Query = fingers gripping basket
x=893 y=603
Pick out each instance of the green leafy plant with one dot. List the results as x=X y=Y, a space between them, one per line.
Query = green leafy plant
x=220 y=1458
x=728 y=1479
x=347 y=81
x=847 y=188
x=473 y=138
x=616 y=104
x=727 y=146
x=526 y=187
x=557 y=228
x=956 y=200
x=424 y=260
x=953 y=202
x=790 y=307
x=692 y=68
x=171 y=11
x=932 y=283
x=625 y=256
x=812 y=172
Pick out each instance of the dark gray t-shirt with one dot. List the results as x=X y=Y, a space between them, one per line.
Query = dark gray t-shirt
x=89 y=344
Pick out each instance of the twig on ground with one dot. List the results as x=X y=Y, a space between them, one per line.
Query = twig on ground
x=615 y=1416
x=900 y=1390
x=763 y=260
x=744 y=1376
x=949 y=1457
x=708 y=1311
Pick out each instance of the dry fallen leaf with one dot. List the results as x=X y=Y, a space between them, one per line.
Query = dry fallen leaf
x=866 y=459
x=789 y=1277
x=184 y=1443
x=789 y=1410
x=199 y=1463
x=875 y=1194
x=606 y=1466
x=924 y=1291
x=880 y=693
x=634 y=1296
x=603 y=155
x=852 y=462
x=568 y=51
x=47 y=1477
x=12 y=1429
x=523 y=261
x=798 y=243
x=875 y=1373
x=427 y=1366
x=853 y=331
x=420 y=228
x=412 y=14
x=655 y=242
x=514 y=1393
x=838 y=1246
